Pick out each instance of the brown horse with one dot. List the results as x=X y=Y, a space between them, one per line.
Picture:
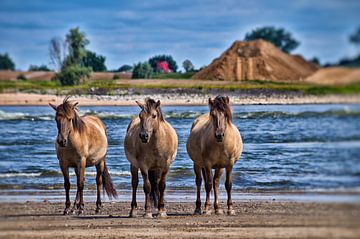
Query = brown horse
x=81 y=142
x=150 y=145
x=214 y=143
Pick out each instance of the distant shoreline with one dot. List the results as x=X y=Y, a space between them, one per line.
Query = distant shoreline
x=29 y=99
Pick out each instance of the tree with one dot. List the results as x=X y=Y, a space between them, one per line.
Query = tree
x=124 y=68
x=72 y=75
x=76 y=41
x=93 y=61
x=6 y=63
x=355 y=37
x=57 y=52
x=188 y=66
x=171 y=62
x=277 y=36
x=38 y=68
x=142 y=71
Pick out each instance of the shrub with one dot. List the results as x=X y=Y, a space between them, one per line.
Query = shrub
x=116 y=77
x=72 y=75
x=142 y=71
x=21 y=77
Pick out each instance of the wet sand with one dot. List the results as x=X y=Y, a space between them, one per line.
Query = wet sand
x=177 y=99
x=254 y=219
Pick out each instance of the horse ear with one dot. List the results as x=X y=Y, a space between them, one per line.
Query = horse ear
x=211 y=102
x=157 y=104
x=139 y=104
x=76 y=103
x=53 y=106
x=227 y=99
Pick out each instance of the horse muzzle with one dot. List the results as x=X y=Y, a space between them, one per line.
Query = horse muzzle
x=62 y=142
x=219 y=137
x=144 y=136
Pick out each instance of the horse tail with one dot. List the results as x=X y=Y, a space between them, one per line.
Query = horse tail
x=107 y=183
x=154 y=187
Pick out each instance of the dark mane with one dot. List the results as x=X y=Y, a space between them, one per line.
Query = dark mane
x=69 y=109
x=151 y=104
x=221 y=103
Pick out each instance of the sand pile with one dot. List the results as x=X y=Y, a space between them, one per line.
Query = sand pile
x=335 y=76
x=256 y=60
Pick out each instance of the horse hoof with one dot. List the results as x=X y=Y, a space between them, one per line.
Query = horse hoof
x=79 y=212
x=148 y=215
x=219 y=212
x=97 y=211
x=207 y=212
x=197 y=212
x=162 y=215
x=231 y=212
x=133 y=214
x=67 y=211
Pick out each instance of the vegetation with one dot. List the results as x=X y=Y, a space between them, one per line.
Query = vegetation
x=124 y=68
x=6 y=62
x=94 y=62
x=355 y=37
x=38 y=68
x=21 y=77
x=188 y=66
x=57 y=52
x=108 y=86
x=172 y=75
x=142 y=71
x=72 y=69
x=277 y=36
x=169 y=59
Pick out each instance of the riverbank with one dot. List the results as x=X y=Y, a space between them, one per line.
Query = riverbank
x=178 y=98
x=262 y=219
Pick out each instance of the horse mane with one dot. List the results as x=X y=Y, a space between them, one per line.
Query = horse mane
x=221 y=103
x=152 y=104
x=69 y=109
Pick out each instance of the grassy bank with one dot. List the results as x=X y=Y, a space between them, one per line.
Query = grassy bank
x=109 y=86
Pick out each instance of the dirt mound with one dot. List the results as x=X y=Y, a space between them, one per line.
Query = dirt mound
x=335 y=76
x=256 y=60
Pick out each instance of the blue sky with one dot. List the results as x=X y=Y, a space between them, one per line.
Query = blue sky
x=127 y=32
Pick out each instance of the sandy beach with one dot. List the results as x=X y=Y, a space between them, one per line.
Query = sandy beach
x=254 y=219
x=176 y=99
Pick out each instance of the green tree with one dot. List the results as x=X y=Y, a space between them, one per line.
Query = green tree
x=355 y=37
x=142 y=71
x=277 y=36
x=6 y=63
x=124 y=68
x=76 y=41
x=38 y=68
x=94 y=61
x=188 y=66
x=72 y=75
x=169 y=59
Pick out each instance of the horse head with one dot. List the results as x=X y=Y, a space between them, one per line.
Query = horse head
x=221 y=116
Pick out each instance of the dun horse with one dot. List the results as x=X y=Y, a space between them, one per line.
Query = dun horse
x=214 y=143
x=150 y=145
x=81 y=142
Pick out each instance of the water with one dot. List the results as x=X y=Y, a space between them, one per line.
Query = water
x=287 y=148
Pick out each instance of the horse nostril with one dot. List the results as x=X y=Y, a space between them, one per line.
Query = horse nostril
x=144 y=135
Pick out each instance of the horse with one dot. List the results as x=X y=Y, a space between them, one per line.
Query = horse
x=214 y=143
x=81 y=142
x=151 y=146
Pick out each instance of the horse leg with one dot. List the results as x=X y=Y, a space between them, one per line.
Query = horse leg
x=99 y=182
x=208 y=186
x=65 y=172
x=198 y=179
x=228 y=186
x=77 y=198
x=80 y=186
x=147 y=190
x=154 y=177
x=216 y=181
x=134 y=184
x=162 y=186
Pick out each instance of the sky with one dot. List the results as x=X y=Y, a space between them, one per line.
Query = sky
x=127 y=32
